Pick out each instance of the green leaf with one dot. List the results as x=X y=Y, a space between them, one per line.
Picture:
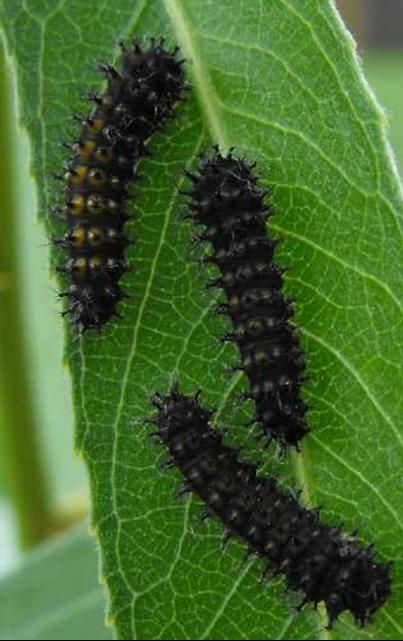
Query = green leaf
x=279 y=80
x=55 y=594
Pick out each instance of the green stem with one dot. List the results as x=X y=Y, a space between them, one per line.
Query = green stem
x=21 y=455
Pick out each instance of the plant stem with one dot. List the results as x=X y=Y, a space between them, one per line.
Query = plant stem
x=21 y=456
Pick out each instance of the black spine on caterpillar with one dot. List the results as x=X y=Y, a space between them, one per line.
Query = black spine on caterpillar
x=139 y=97
x=228 y=202
x=317 y=560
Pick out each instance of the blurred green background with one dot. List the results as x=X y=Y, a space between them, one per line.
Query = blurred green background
x=381 y=49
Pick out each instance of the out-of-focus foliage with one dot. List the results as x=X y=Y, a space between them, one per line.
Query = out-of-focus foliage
x=55 y=594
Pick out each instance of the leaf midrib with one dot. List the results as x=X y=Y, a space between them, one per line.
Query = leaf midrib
x=202 y=83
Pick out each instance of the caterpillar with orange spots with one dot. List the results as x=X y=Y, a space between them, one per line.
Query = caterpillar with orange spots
x=139 y=97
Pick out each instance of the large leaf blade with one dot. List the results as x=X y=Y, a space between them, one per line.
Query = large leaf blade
x=279 y=81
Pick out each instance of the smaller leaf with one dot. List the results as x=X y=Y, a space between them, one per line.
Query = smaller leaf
x=55 y=593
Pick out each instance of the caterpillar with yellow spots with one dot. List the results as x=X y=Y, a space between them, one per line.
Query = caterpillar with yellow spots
x=139 y=97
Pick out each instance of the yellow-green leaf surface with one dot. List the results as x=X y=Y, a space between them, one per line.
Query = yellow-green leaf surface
x=279 y=80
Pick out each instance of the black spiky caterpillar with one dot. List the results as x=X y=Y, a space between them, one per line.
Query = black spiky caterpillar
x=139 y=97
x=226 y=199
x=316 y=559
